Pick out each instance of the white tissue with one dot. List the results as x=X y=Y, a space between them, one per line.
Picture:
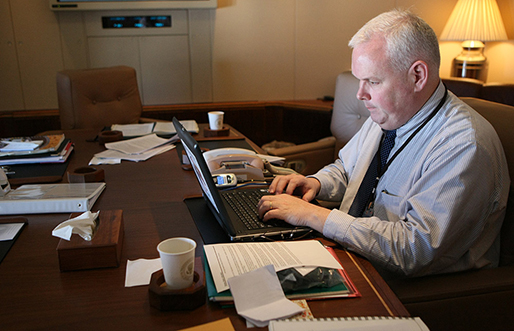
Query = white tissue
x=84 y=225
x=259 y=298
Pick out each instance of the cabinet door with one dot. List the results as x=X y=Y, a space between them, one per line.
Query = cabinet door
x=38 y=45
x=11 y=97
x=165 y=64
x=114 y=51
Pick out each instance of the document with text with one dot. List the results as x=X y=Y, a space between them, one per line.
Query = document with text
x=229 y=260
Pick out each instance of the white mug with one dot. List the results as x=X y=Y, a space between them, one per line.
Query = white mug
x=178 y=262
x=215 y=120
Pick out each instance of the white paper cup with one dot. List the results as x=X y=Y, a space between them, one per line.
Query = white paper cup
x=178 y=262
x=215 y=120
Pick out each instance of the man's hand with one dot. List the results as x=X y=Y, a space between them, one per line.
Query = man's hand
x=307 y=188
x=293 y=210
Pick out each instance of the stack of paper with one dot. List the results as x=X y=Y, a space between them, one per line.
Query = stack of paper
x=224 y=261
x=137 y=149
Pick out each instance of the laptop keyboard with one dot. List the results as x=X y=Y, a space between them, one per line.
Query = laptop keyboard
x=244 y=203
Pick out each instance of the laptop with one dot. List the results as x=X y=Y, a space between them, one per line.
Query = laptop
x=224 y=206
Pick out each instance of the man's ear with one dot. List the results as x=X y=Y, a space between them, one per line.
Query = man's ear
x=418 y=72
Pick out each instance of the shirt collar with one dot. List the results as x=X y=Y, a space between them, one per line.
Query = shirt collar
x=424 y=112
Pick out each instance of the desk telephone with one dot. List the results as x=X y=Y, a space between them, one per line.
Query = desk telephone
x=245 y=164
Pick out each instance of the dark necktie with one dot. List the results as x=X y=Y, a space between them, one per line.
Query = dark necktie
x=362 y=199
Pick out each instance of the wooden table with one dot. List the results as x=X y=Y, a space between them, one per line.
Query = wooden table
x=36 y=295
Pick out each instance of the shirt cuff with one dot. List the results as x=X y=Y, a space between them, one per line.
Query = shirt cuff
x=337 y=225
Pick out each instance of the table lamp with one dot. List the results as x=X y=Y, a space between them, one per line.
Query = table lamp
x=473 y=22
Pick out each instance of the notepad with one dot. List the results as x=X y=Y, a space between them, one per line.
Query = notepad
x=351 y=323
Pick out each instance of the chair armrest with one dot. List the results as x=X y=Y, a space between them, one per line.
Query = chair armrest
x=470 y=300
x=455 y=285
x=307 y=158
x=324 y=143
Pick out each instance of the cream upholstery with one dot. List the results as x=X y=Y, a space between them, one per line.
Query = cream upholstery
x=348 y=115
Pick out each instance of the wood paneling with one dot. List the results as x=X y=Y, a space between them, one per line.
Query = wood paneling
x=263 y=122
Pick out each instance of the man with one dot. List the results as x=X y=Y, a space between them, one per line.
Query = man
x=439 y=201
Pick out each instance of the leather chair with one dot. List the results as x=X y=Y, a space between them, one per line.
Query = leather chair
x=468 y=87
x=348 y=115
x=97 y=98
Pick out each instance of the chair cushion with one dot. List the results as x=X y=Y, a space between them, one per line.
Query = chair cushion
x=95 y=98
x=349 y=112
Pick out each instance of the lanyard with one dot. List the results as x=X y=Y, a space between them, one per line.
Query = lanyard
x=369 y=209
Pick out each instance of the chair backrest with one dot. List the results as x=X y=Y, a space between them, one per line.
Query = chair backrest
x=502 y=93
x=349 y=113
x=96 y=98
x=501 y=117
x=468 y=87
x=464 y=87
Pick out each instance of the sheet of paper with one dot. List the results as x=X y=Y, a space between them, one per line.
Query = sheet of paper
x=133 y=130
x=9 y=230
x=139 y=272
x=97 y=160
x=168 y=127
x=259 y=298
x=139 y=145
x=229 y=260
x=116 y=155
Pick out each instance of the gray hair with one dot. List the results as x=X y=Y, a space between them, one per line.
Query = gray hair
x=408 y=38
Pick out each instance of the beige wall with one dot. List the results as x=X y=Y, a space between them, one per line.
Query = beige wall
x=261 y=49
x=294 y=49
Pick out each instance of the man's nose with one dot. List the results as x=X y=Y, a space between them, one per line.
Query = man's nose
x=362 y=94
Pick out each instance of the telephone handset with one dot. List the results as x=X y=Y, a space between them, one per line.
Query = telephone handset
x=208 y=155
x=245 y=164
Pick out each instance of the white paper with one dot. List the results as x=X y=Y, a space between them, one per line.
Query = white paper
x=160 y=127
x=229 y=260
x=169 y=128
x=133 y=130
x=139 y=272
x=116 y=155
x=259 y=298
x=9 y=230
x=97 y=160
x=139 y=145
x=16 y=146
x=84 y=225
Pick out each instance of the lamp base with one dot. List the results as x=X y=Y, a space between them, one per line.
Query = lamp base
x=471 y=62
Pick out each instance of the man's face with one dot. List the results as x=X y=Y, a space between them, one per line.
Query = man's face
x=387 y=93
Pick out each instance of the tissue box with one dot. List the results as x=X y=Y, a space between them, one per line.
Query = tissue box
x=103 y=251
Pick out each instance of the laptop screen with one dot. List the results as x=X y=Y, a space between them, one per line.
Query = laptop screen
x=199 y=165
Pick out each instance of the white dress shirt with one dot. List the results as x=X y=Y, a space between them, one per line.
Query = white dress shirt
x=440 y=205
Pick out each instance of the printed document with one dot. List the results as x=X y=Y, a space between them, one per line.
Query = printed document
x=229 y=260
